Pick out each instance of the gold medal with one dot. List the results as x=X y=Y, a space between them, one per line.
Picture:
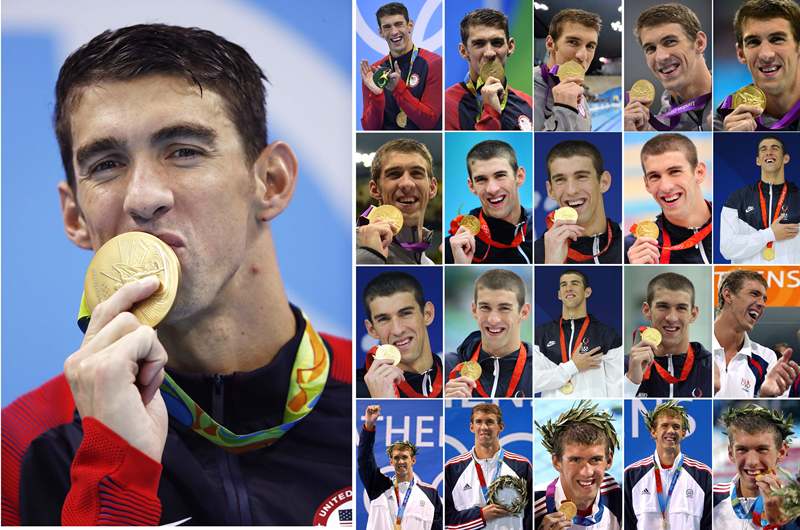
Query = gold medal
x=471 y=370
x=387 y=213
x=571 y=69
x=647 y=229
x=397 y=525
x=664 y=523
x=567 y=388
x=569 y=509
x=388 y=352
x=644 y=91
x=750 y=95
x=768 y=253
x=402 y=119
x=471 y=223
x=492 y=69
x=566 y=213
x=652 y=335
x=127 y=258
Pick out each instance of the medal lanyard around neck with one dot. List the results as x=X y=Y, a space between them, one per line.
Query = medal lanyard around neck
x=764 y=217
x=410 y=63
x=475 y=90
x=755 y=512
x=663 y=501
x=307 y=380
x=562 y=340
x=580 y=520
x=401 y=508
x=482 y=477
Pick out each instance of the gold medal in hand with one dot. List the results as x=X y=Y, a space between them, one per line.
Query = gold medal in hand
x=130 y=257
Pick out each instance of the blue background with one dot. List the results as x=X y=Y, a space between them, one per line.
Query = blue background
x=639 y=444
x=457 y=197
x=43 y=272
x=739 y=167
x=515 y=437
x=416 y=420
x=605 y=303
x=610 y=146
x=427 y=34
x=431 y=280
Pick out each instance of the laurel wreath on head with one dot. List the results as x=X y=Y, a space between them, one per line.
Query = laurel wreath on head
x=581 y=412
x=406 y=443
x=507 y=481
x=670 y=406
x=781 y=421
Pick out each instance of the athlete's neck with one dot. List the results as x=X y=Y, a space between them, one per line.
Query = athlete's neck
x=582 y=503
x=421 y=364
x=679 y=349
x=745 y=491
x=699 y=85
x=483 y=452
x=729 y=335
x=780 y=103
x=501 y=350
x=598 y=224
x=667 y=455
x=407 y=49
x=776 y=177
x=511 y=218
x=574 y=312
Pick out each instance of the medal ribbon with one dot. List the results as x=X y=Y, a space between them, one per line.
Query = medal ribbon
x=673 y=115
x=410 y=64
x=668 y=247
x=663 y=501
x=755 y=512
x=308 y=377
x=482 y=478
x=668 y=377
x=485 y=235
x=475 y=92
x=519 y=366
x=550 y=501
x=564 y=357
x=420 y=246
x=764 y=218
x=408 y=390
x=574 y=255
x=794 y=113
x=401 y=508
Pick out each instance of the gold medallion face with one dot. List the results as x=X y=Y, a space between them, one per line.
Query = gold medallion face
x=647 y=229
x=402 y=119
x=471 y=370
x=750 y=95
x=768 y=253
x=492 y=69
x=387 y=213
x=566 y=213
x=388 y=352
x=471 y=223
x=569 y=509
x=571 y=69
x=652 y=335
x=127 y=258
x=567 y=388
x=643 y=90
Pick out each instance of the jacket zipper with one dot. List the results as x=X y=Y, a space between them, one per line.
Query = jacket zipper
x=238 y=501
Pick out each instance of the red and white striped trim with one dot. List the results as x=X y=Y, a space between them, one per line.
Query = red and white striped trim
x=515 y=456
x=696 y=463
x=641 y=463
x=469 y=525
x=459 y=458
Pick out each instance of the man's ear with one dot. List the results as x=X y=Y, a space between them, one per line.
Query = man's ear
x=275 y=172
x=740 y=54
x=71 y=214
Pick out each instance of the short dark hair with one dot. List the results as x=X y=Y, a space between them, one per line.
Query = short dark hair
x=579 y=16
x=764 y=10
x=570 y=148
x=734 y=281
x=487 y=408
x=501 y=279
x=488 y=149
x=754 y=419
x=668 y=14
x=389 y=283
x=199 y=56
x=671 y=281
x=772 y=137
x=483 y=17
x=667 y=142
x=576 y=272
x=392 y=8
x=400 y=145
x=582 y=434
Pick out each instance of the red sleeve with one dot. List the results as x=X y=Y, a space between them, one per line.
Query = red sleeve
x=424 y=112
x=374 y=104
x=452 y=100
x=113 y=483
x=24 y=420
x=490 y=120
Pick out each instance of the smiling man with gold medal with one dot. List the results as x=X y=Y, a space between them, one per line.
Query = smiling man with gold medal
x=576 y=356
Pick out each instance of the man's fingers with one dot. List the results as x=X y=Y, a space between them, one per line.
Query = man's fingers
x=786 y=356
x=122 y=324
x=120 y=301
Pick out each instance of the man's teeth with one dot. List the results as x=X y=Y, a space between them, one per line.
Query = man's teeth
x=410 y=200
x=671 y=198
x=576 y=204
x=671 y=328
x=585 y=483
x=668 y=69
x=497 y=200
x=397 y=39
x=769 y=69
x=753 y=314
x=401 y=343
x=494 y=330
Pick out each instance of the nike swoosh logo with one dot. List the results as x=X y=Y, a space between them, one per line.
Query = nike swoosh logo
x=177 y=523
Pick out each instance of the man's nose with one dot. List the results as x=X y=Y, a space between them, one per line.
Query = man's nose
x=148 y=197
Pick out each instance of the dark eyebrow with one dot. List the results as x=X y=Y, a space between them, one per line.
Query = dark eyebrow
x=98 y=146
x=184 y=130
